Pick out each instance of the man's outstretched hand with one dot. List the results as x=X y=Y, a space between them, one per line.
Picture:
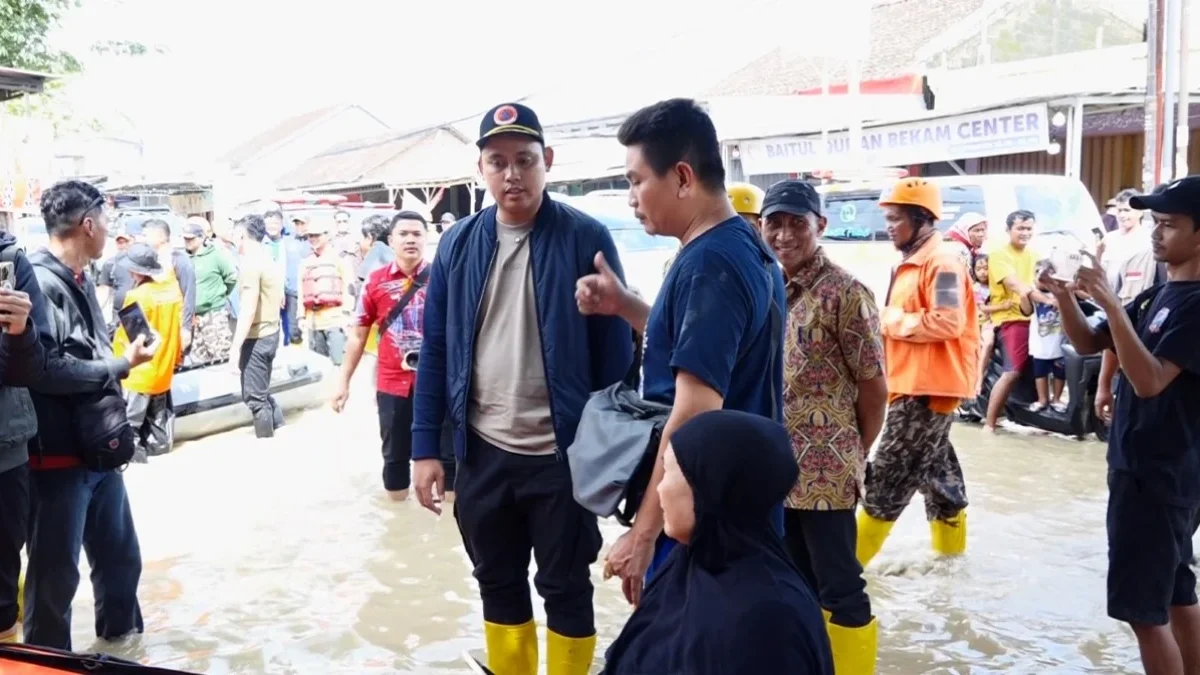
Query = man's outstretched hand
x=602 y=292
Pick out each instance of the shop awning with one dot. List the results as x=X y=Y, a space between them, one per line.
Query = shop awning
x=15 y=82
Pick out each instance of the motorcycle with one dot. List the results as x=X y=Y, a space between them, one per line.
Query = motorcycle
x=1082 y=376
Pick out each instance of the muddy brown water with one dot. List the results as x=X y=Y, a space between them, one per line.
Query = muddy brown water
x=283 y=556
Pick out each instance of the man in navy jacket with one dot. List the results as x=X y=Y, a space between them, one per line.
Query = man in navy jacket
x=510 y=360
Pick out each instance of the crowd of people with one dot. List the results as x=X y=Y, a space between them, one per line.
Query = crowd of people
x=781 y=371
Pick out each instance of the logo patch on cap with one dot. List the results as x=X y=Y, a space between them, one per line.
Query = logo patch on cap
x=505 y=114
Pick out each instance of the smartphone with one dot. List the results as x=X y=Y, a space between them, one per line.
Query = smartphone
x=8 y=281
x=133 y=320
x=475 y=666
x=1066 y=264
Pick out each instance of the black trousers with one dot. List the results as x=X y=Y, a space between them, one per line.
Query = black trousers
x=257 y=360
x=152 y=417
x=395 y=433
x=822 y=546
x=509 y=505
x=14 y=528
x=291 y=318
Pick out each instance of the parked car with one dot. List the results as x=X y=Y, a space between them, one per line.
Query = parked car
x=644 y=256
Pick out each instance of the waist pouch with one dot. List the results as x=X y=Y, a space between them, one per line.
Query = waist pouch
x=614 y=451
x=104 y=438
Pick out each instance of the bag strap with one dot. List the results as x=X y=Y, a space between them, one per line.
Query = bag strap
x=417 y=284
x=776 y=332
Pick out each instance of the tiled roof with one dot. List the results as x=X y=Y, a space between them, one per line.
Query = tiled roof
x=898 y=30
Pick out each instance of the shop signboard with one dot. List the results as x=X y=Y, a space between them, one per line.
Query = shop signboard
x=982 y=134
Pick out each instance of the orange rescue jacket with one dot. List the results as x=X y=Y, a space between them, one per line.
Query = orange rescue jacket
x=931 y=326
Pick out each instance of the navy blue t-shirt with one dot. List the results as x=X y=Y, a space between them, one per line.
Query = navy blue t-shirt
x=1157 y=439
x=712 y=319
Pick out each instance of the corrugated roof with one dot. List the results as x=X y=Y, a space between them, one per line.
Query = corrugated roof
x=897 y=31
x=427 y=156
x=285 y=131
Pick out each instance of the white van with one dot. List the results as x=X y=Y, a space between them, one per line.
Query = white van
x=856 y=236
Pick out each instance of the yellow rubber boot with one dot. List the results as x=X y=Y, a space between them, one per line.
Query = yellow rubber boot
x=949 y=536
x=872 y=532
x=511 y=650
x=569 y=656
x=854 y=649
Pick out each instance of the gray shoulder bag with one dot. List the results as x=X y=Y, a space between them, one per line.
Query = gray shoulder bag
x=617 y=442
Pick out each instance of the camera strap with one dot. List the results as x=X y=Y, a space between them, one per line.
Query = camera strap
x=417 y=284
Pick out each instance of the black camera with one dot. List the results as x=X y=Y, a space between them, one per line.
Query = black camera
x=410 y=360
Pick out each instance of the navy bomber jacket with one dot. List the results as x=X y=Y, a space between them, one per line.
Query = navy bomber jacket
x=582 y=354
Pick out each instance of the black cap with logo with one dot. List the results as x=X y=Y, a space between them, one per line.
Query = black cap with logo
x=509 y=118
x=1180 y=197
x=797 y=197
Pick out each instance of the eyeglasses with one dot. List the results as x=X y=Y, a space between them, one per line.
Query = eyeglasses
x=96 y=203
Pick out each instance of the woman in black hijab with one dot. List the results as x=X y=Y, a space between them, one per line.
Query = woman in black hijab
x=729 y=601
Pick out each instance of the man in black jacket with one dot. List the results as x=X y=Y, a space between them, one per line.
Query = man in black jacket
x=73 y=507
x=21 y=362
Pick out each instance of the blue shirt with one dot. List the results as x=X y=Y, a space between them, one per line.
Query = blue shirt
x=1157 y=439
x=712 y=319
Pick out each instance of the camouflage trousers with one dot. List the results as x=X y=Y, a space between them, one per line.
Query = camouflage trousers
x=914 y=455
x=213 y=337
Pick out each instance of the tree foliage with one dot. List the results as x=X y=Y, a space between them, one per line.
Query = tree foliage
x=24 y=28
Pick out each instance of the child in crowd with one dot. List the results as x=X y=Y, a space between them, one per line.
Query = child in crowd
x=987 y=341
x=1046 y=349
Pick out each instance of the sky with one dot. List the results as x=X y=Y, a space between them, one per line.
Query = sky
x=231 y=68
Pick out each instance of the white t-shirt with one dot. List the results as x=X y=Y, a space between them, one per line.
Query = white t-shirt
x=1046 y=333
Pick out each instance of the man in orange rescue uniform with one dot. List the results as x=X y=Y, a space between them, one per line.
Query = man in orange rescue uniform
x=931 y=348
x=148 y=387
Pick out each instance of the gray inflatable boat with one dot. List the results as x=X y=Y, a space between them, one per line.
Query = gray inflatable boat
x=208 y=399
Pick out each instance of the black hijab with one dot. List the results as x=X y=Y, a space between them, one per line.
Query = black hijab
x=730 y=601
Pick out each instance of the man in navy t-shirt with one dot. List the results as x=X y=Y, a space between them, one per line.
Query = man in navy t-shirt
x=1154 y=443
x=709 y=336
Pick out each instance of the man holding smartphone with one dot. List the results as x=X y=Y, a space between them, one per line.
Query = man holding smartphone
x=1154 y=445
x=72 y=506
x=156 y=302
x=21 y=362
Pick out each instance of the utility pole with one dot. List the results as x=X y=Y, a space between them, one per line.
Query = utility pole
x=1183 y=125
x=1169 y=88
x=1152 y=147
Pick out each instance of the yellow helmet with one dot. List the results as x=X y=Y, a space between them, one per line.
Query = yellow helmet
x=915 y=192
x=746 y=198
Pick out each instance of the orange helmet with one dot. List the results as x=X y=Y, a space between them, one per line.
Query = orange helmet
x=915 y=192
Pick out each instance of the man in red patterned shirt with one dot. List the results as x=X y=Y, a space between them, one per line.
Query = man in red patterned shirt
x=393 y=299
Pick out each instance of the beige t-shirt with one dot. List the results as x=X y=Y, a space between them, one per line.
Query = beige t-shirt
x=262 y=276
x=509 y=405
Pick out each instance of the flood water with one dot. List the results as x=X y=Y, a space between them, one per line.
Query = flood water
x=283 y=556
